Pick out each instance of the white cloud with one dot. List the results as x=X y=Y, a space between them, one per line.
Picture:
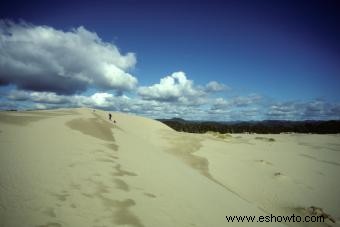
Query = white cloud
x=214 y=86
x=39 y=97
x=236 y=102
x=242 y=101
x=220 y=102
x=41 y=58
x=311 y=110
x=40 y=106
x=218 y=109
x=175 y=87
x=102 y=99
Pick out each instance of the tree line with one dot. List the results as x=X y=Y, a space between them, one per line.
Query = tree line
x=261 y=127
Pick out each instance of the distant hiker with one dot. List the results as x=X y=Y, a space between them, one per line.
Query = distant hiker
x=110 y=116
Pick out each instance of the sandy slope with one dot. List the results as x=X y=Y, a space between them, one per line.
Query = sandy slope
x=73 y=167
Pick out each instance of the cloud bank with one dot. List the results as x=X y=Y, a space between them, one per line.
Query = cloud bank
x=41 y=58
x=250 y=107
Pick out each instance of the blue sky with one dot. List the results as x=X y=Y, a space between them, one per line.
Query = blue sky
x=241 y=60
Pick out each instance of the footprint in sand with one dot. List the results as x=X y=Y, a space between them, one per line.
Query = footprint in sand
x=150 y=195
x=62 y=197
x=50 y=224
x=280 y=175
x=264 y=162
x=121 y=185
x=120 y=172
x=50 y=212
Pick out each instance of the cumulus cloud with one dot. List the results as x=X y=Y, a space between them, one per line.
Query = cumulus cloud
x=102 y=100
x=236 y=102
x=291 y=110
x=178 y=88
x=242 y=101
x=213 y=109
x=311 y=110
x=172 y=88
x=51 y=99
x=39 y=97
x=214 y=86
x=41 y=58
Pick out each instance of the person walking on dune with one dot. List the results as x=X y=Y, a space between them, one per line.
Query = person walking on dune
x=110 y=116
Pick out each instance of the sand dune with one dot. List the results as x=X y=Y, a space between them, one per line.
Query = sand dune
x=74 y=167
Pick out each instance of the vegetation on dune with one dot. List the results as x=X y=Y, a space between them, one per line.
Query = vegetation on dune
x=265 y=139
x=219 y=135
x=261 y=127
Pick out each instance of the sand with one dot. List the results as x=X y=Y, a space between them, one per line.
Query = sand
x=74 y=167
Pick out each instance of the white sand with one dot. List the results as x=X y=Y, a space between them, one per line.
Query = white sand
x=73 y=167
